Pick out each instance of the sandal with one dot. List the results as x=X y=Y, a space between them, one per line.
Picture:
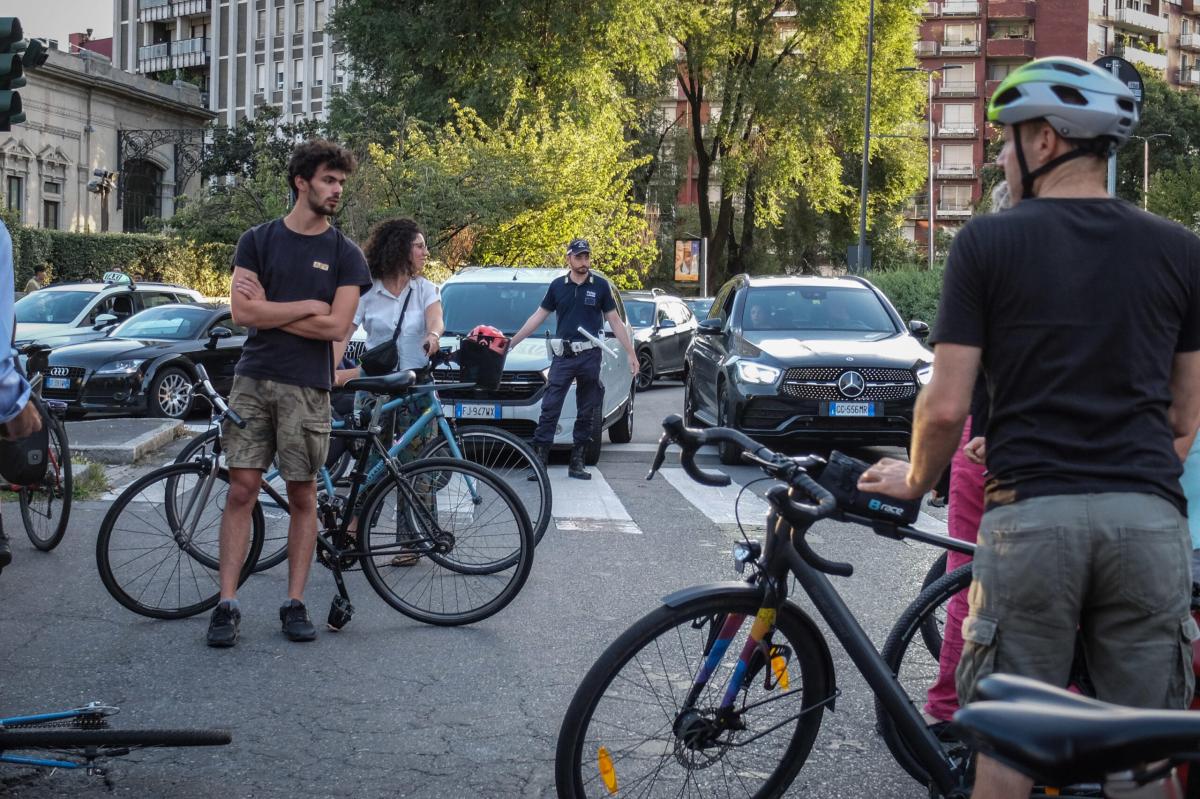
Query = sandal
x=406 y=559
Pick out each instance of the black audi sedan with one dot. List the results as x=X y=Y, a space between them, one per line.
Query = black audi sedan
x=147 y=364
x=795 y=360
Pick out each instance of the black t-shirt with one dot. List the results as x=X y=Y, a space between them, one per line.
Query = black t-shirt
x=579 y=305
x=1079 y=306
x=293 y=267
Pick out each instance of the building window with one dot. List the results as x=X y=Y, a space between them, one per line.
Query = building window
x=297 y=73
x=51 y=187
x=319 y=15
x=299 y=18
x=261 y=22
x=318 y=70
x=958 y=117
x=339 y=68
x=50 y=214
x=143 y=194
x=955 y=198
x=16 y=193
x=999 y=71
x=1010 y=30
x=260 y=78
x=958 y=160
x=956 y=35
x=280 y=20
x=279 y=77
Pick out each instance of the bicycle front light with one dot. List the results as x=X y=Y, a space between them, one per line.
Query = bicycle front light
x=750 y=372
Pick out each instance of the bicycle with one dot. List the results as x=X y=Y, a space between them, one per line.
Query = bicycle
x=78 y=738
x=471 y=533
x=503 y=453
x=46 y=506
x=681 y=714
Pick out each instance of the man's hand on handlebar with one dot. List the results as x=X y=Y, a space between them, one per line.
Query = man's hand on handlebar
x=890 y=477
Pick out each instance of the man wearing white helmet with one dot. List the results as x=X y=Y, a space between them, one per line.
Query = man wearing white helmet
x=1083 y=312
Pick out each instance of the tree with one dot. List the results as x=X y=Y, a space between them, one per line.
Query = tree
x=1175 y=193
x=1164 y=110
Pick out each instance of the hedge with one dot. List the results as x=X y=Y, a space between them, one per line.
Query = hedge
x=914 y=292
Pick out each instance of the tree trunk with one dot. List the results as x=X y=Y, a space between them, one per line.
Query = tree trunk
x=722 y=249
x=749 y=217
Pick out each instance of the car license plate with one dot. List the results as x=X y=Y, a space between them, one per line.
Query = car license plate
x=58 y=382
x=464 y=410
x=851 y=409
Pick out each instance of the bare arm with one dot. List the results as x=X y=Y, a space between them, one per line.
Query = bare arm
x=535 y=319
x=942 y=408
x=435 y=326
x=622 y=333
x=251 y=308
x=1184 y=413
x=334 y=326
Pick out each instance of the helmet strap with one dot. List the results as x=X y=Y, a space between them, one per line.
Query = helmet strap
x=1028 y=177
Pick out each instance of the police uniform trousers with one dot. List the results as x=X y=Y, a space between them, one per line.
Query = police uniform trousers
x=584 y=369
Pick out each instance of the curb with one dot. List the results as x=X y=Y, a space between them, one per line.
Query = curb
x=129 y=451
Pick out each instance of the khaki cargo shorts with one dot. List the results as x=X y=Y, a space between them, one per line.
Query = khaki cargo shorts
x=281 y=419
x=1114 y=568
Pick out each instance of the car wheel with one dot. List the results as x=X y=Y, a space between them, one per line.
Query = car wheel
x=645 y=375
x=171 y=394
x=622 y=431
x=591 y=453
x=689 y=402
x=730 y=454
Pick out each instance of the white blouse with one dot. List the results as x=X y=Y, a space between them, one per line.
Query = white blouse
x=379 y=311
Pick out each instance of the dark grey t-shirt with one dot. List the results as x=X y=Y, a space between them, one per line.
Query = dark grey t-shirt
x=294 y=267
x=1079 y=306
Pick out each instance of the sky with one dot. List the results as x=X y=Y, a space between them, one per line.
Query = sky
x=54 y=19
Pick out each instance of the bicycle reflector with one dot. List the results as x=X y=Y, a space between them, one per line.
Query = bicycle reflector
x=607 y=772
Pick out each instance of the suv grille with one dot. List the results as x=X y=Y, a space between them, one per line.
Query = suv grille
x=513 y=385
x=355 y=349
x=820 y=383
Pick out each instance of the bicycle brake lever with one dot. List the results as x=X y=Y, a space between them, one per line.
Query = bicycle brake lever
x=660 y=456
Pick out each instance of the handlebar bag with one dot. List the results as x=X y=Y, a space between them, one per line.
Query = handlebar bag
x=23 y=462
x=840 y=478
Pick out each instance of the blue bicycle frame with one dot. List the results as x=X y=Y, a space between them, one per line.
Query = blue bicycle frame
x=22 y=760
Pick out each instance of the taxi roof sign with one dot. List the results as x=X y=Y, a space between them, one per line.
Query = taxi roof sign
x=117 y=278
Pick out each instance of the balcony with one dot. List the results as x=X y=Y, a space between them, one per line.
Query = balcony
x=927 y=49
x=929 y=10
x=958 y=88
x=1190 y=6
x=960 y=8
x=189 y=8
x=953 y=211
x=957 y=130
x=965 y=47
x=1189 y=77
x=153 y=10
x=189 y=53
x=1008 y=9
x=956 y=171
x=916 y=210
x=154 y=57
x=1189 y=41
x=1145 y=57
x=1139 y=21
x=1010 y=48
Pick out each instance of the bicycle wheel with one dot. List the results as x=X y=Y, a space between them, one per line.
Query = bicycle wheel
x=916 y=667
x=512 y=460
x=472 y=534
x=161 y=563
x=46 y=508
x=626 y=729
x=54 y=739
x=273 y=499
x=932 y=626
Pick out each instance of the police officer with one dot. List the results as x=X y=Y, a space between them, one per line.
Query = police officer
x=581 y=299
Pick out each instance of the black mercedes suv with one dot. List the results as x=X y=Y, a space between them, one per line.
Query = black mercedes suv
x=796 y=359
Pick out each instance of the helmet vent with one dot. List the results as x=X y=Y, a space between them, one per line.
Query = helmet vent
x=1069 y=95
x=1071 y=68
x=1009 y=95
x=1125 y=104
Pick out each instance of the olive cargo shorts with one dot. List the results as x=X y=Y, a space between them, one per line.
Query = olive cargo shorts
x=1114 y=567
x=291 y=421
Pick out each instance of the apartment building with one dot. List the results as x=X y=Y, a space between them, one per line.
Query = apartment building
x=974 y=44
x=241 y=53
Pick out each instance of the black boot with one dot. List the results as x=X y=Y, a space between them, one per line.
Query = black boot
x=575 y=468
x=542 y=452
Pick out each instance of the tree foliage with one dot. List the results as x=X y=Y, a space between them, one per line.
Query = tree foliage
x=1164 y=110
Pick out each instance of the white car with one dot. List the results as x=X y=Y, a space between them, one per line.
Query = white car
x=505 y=297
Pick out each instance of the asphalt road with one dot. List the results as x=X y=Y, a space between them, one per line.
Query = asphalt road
x=391 y=707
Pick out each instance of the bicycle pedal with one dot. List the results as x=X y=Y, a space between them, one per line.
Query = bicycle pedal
x=340 y=613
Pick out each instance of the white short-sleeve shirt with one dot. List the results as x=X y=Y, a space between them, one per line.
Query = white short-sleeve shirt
x=379 y=311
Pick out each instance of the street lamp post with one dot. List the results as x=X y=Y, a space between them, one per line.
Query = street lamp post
x=859 y=266
x=1146 y=162
x=929 y=73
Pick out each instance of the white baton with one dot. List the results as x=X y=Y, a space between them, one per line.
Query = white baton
x=599 y=343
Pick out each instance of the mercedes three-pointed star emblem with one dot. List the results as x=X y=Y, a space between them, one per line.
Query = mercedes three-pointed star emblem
x=851 y=384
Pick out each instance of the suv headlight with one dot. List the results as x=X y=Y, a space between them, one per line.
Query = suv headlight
x=750 y=372
x=925 y=374
x=119 y=368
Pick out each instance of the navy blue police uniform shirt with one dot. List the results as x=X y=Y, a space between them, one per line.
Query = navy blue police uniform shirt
x=293 y=267
x=579 y=305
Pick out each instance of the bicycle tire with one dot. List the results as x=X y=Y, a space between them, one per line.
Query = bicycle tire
x=57 y=485
x=575 y=780
x=512 y=460
x=142 y=493
x=60 y=739
x=438 y=577
x=275 y=514
x=931 y=631
x=916 y=671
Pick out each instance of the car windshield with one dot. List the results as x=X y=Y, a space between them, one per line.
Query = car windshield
x=51 y=307
x=502 y=305
x=812 y=308
x=170 y=322
x=640 y=313
x=700 y=307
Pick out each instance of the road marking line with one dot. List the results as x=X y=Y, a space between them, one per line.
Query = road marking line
x=597 y=526
x=718 y=503
x=579 y=504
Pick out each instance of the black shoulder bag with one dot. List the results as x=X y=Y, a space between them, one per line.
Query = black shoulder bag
x=382 y=358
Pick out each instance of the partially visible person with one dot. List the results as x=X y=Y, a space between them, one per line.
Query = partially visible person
x=18 y=416
x=296 y=284
x=760 y=315
x=37 y=281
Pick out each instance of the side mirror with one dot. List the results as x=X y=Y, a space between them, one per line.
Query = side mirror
x=666 y=324
x=710 y=327
x=103 y=321
x=919 y=329
x=216 y=334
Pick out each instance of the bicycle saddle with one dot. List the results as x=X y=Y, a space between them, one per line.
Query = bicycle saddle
x=1061 y=738
x=396 y=383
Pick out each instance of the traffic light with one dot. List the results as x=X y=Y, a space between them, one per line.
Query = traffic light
x=16 y=55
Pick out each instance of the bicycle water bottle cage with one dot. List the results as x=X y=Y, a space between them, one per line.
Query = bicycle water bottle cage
x=840 y=478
